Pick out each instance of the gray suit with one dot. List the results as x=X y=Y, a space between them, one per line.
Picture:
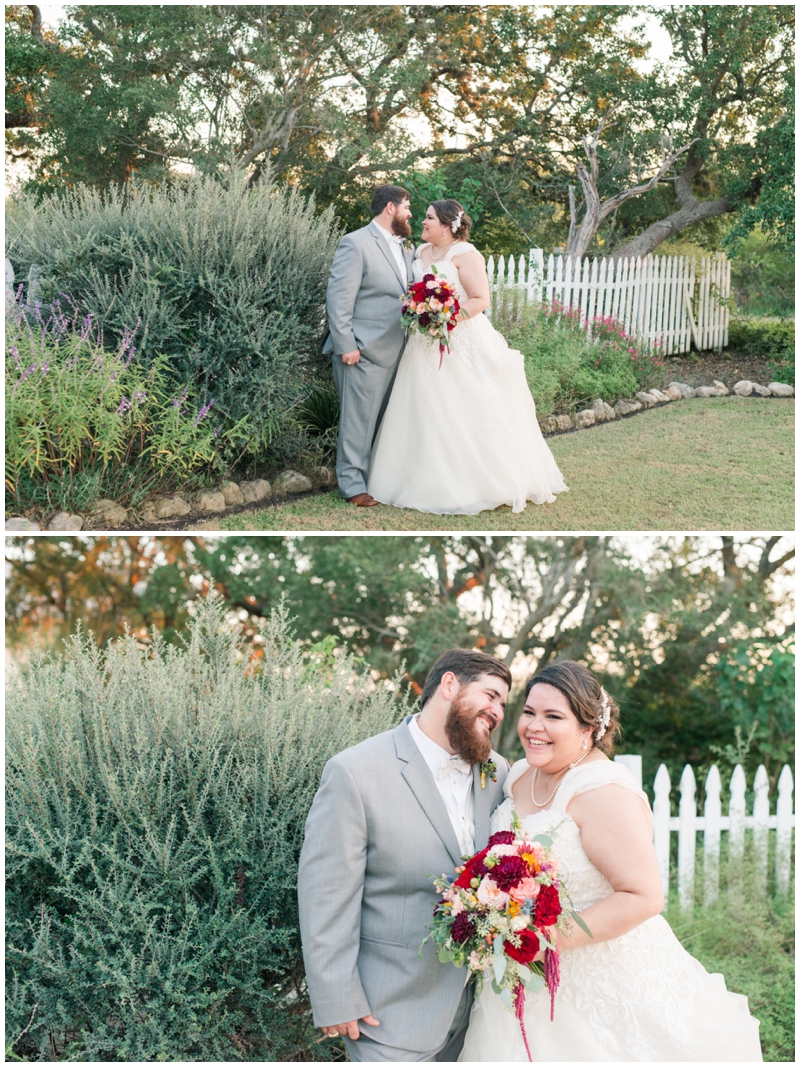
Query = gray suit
x=363 y=300
x=377 y=834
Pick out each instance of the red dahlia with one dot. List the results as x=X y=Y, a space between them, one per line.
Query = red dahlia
x=509 y=871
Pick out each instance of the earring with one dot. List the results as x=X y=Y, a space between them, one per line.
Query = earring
x=584 y=741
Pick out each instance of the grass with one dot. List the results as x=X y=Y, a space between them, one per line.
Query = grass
x=724 y=463
x=751 y=943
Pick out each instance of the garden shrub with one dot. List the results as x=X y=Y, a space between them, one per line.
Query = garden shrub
x=83 y=422
x=155 y=805
x=765 y=339
x=565 y=367
x=227 y=280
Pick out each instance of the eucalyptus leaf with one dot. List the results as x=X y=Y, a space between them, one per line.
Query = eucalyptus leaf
x=543 y=839
x=574 y=915
x=496 y=987
x=536 y=982
x=499 y=967
x=505 y=996
x=544 y=943
x=498 y=945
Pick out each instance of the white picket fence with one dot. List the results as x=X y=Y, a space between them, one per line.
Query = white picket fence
x=664 y=301
x=712 y=823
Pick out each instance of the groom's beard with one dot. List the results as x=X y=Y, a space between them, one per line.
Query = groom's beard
x=470 y=744
x=401 y=227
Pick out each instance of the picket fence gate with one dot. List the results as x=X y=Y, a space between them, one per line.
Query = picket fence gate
x=712 y=823
x=666 y=302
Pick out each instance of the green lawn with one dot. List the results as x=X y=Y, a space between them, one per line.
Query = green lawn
x=718 y=464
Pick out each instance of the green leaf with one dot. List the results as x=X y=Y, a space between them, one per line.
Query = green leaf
x=505 y=996
x=574 y=915
x=543 y=839
x=544 y=943
x=499 y=967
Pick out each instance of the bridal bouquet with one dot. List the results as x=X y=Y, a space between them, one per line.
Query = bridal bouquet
x=431 y=307
x=499 y=912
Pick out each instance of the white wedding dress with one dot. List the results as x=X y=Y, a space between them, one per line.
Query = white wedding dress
x=465 y=438
x=639 y=997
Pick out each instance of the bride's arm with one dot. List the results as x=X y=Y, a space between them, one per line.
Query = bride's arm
x=472 y=271
x=617 y=834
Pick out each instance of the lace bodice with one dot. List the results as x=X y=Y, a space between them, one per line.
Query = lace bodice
x=445 y=267
x=623 y=984
x=585 y=883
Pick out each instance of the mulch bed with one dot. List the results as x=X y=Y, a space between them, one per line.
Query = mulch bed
x=701 y=368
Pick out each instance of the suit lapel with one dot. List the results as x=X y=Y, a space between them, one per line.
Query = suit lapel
x=420 y=782
x=387 y=253
x=409 y=259
x=483 y=808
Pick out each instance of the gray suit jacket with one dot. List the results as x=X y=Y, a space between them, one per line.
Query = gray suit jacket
x=377 y=834
x=363 y=299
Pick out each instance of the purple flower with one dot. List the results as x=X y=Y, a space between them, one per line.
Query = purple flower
x=179 y=401
x=13 y=350
x=45 y=367
x=203 y=412
x=123 y=406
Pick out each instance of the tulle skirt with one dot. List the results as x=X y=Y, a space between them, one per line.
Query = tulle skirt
x=462 y=438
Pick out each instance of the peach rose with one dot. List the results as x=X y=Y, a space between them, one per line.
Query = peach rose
x=490 y=895
x=527 y=888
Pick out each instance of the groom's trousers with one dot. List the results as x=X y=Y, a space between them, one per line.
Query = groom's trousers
x=367 y=1050
x=363 y=389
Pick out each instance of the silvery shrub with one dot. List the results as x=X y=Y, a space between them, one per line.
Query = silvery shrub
x=155 y=800
x=225 y=278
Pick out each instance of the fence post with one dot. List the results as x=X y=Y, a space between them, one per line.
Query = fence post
x=687 y=839
x=783 y=844
x=736 y=823
x=632 y=764
x=535 y=274
x=761 y=827
x=661 y=788
x=713 y=816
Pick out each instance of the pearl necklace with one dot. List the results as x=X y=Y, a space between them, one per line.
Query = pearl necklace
x=558 y=783
x=441 y=257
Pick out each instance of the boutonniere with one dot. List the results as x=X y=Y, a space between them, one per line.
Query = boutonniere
x=488 y=767
x=408 y=245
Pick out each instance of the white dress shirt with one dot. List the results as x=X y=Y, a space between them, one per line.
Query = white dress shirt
x=454 y=786
x=395 y=244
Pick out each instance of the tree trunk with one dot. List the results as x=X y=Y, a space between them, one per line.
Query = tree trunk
x=644 y=243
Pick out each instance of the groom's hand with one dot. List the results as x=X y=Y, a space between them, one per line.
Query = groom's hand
x=351 y=357
x=348 y=1029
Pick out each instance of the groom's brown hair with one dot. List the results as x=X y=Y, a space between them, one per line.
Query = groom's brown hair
x=467 y=665
x=388 y=194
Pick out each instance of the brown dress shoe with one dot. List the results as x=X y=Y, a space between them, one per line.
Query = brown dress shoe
x=362 y=500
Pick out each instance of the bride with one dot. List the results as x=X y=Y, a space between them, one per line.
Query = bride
x=631 y=991
x=463 y=438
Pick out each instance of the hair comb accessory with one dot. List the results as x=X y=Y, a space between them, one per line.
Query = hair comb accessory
x=454 y=225
x=604 y=718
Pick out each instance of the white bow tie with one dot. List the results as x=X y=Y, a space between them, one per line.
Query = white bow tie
x=396 y=240
x=454 y=765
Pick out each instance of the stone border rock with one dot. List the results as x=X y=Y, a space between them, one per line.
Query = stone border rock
x=110 y=515
x=600 y=411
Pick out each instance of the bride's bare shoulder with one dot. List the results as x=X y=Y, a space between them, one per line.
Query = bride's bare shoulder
x=467 y=253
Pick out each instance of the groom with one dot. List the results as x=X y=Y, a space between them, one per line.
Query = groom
x=370 y=272
x=391 y=814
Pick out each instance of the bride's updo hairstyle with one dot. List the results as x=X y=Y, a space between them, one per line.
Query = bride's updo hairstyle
x=590 y=703
x=448 y=212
